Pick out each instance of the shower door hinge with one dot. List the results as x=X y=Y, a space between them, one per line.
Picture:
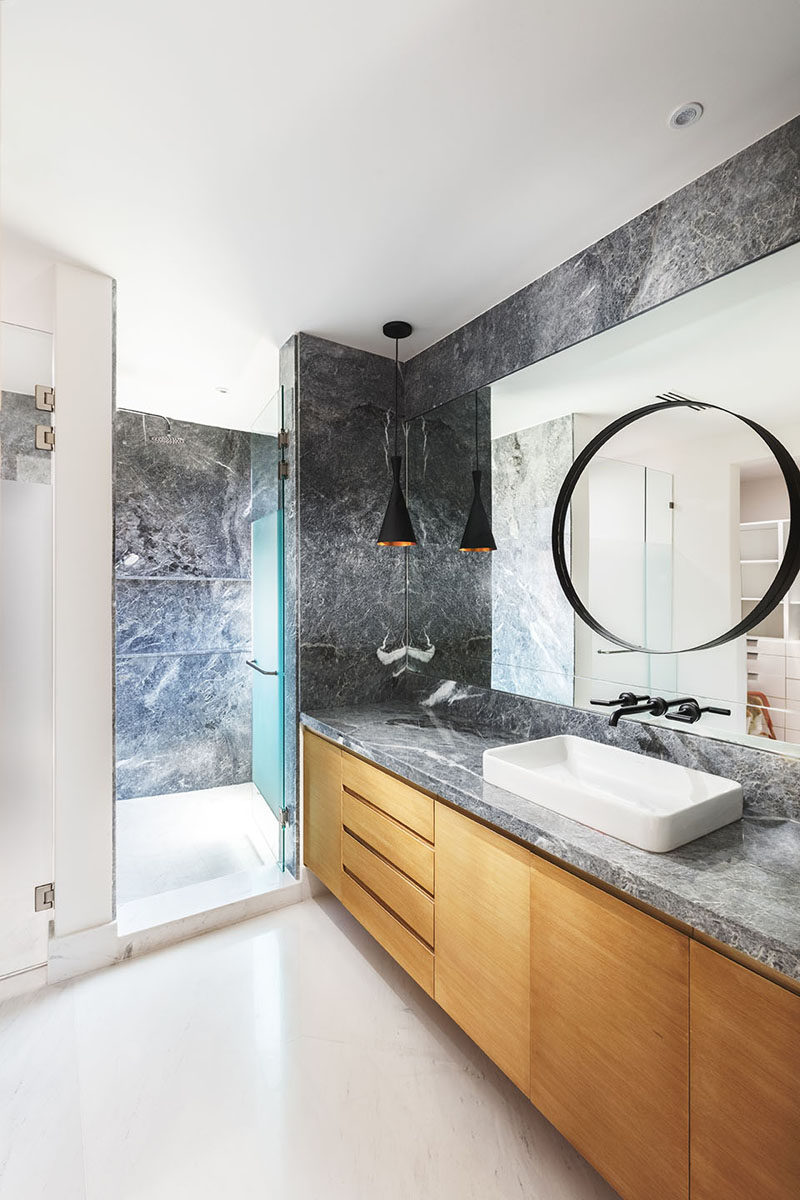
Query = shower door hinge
x=283 y=470
x=283 y=818
x=44 y=398
x=283 y=438
x=44 y=896
x=45 y=438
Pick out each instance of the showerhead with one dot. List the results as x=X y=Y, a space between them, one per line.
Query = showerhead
x=159 y=417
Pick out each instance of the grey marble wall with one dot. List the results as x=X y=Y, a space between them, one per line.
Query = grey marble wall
x=183 y=604
x=449 y=591
x=19 y=458
x=533 y=626
x=351 y=591
x=738 y=212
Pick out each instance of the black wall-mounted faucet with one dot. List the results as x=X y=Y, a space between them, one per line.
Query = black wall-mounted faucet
x=687 y=708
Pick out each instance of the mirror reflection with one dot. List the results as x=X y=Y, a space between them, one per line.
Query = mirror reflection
x=675 y=531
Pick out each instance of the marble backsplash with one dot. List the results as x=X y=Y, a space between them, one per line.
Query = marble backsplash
x=183 y=507
x=771 y=782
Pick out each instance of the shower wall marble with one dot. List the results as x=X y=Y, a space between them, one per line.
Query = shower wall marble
x=183 y=603
x=351 y=591
x=449 y=591
x=19 y=458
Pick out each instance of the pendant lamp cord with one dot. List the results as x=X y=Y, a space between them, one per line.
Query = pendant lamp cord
x=396 y=372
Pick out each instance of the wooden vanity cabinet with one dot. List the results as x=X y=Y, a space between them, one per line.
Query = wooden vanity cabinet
x=610 y=1033
x=482 y=960
x=322 y=810
x=590 y=1005
x=745 y=1040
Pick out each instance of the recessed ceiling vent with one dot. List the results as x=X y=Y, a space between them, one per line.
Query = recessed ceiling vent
x=686 y=114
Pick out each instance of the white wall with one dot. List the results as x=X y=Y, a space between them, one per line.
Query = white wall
x=83 y=633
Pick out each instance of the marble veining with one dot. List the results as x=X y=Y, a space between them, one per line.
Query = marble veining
x=352 y=591
x=449 y=592
x=181 y=501
x=738 y=212
x=183 y=600
x=740 y=884
x=183 y=723
x=19 y=458
x=533 y=625
x=182 y=616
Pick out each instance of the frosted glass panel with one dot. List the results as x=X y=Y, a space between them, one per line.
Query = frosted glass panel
x=26 y=653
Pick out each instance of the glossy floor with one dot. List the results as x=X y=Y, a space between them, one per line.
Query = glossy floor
x=287 y=1056
x=175 y=841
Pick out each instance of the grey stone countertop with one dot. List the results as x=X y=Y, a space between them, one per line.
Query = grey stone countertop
x=740 y=884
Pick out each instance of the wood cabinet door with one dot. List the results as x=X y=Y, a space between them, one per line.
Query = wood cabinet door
x=322 y=810
x=745 y=1083
x=610 y=1033
x=482 y=931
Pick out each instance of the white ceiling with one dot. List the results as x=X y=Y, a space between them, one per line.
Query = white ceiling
x=250 y=169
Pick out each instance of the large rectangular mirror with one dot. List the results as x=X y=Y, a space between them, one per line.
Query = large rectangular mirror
x=675 y=531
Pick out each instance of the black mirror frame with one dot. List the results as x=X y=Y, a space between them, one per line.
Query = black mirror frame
x=785 y=575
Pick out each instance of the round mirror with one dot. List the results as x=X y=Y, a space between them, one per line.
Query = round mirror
x=677 y=528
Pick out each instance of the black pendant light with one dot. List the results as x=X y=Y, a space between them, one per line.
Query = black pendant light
x=478 y=531
x=396 y=529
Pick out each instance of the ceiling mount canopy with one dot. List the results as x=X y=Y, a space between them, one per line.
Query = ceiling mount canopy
x=396 y=529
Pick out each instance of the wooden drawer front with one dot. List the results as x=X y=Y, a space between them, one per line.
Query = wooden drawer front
x=406 y=899
x=405 y=947
x=483 y=940
x=398 y=799
x=403 y=849
x=610 y=1034
x=745 y=1083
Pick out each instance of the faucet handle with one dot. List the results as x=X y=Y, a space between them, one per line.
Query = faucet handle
x=689 y=711
x=623 y=698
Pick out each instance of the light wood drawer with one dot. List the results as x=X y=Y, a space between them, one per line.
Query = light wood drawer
x=405 y=947
x=398 y=893
x=404 y=849
x=392 y=796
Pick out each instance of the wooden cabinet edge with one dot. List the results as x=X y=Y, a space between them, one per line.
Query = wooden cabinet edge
x=744 y=960
x=330 y=875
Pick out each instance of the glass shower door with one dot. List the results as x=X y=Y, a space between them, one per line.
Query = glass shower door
x=267 y=666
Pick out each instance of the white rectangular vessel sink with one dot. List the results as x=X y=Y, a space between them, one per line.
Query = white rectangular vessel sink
x=649 y=803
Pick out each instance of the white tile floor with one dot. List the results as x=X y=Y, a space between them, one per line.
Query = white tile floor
x=164 y=843
x=284 y=1057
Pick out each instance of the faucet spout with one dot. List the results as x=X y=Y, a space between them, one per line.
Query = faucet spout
x=657 y=707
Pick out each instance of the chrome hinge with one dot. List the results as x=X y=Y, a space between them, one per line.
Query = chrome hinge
x=283 y=818
x=283 y=470
x=283 y=438
x=44 y=397
x=45 y=437
x=44 y=896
